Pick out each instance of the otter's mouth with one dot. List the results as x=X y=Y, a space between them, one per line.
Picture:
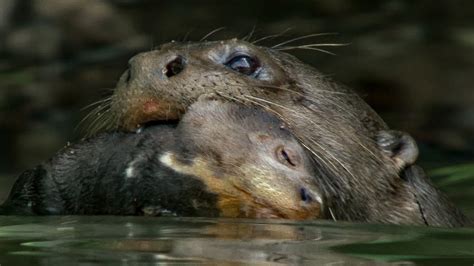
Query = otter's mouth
x=153 y=123
x=151 y=112
x=260 y=202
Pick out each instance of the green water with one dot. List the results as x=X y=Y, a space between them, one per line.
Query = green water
x=136 y=240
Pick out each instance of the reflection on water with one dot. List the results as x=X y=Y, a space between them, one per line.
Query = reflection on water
x=131 y=240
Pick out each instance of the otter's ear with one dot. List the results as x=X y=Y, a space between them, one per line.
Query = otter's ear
x=399 y=146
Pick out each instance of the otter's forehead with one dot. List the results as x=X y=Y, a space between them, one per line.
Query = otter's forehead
x=232 y=121
x=212 y=54
x=214 y=48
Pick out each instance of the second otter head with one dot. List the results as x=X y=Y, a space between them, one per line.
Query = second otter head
x=248 y=159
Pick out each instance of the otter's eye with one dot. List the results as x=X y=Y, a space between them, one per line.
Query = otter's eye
x=285 y=157
x=244 y=64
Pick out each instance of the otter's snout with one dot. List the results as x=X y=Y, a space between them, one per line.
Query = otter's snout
x=143 y=93
x=144 y=69
x=310 y=198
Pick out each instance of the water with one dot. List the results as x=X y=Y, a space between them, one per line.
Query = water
x=72 y=240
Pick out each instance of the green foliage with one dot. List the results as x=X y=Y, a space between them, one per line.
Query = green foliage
x=453 y=175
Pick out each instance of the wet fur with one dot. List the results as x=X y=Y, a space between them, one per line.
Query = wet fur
x=435 y=208
x=89 y=178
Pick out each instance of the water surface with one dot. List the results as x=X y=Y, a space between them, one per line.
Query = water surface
x=72 y=240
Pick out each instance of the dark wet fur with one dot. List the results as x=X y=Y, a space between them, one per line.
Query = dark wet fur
x=435 y=208
x=88 y=178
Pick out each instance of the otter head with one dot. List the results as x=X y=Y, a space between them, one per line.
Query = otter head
x=248 y=159
x=161 y=84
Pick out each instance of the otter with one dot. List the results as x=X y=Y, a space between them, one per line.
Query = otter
x=221 y=160
x=360 y=176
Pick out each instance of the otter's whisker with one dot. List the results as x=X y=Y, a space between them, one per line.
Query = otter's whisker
x=211 y=33
x=297 y=92
x=95 y=125
x=333 y=157
x=314 y=47
x=332 y=167
x=256 y=100
x=249 y=36
x=319 y=45
x=100 y=108
x=96 y=103
x=332 y=214
x=264 y=107
x=303 y=37
x=102 y=122
x=269 y=102
x=271 y=36
x=186 y=36
x=305 y=48
x=231 y=98
x=358 y=142
x=94 y=112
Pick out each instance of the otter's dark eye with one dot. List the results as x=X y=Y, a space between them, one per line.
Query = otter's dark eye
x=244 y=64
x=285 y=157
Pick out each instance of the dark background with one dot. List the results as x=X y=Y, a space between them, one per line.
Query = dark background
x=413 y=61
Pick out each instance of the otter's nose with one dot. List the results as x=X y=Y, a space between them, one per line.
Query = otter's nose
x=146 y=67
x=175 y=66
x=305 y=195
x=310 y=196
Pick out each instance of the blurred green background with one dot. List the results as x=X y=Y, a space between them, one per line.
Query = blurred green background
x=413 y=61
